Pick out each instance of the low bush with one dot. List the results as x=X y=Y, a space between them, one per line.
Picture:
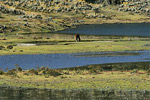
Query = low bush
x=53 y=72
x=9 y=47
x=26 y=73
x=11 y=72
x=42 y=68
x=19 y=69
x=148 y=71
x=95 y=70
x=1 y=72
x=32 y=71
x=134 y=71
x=2 y=47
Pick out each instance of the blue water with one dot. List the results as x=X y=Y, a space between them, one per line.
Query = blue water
x=68 y=60
x=132 y=29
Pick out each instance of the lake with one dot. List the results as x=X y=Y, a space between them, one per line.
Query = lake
x=79 y=59
x=8 y=93
x=131 y=29
x=72 y=60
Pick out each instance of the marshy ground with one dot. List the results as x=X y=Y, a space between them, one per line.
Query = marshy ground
x=57 y=43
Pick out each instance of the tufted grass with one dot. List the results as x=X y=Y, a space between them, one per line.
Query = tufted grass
x=122 y=80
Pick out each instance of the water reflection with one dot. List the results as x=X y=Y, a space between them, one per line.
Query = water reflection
x=7 y=93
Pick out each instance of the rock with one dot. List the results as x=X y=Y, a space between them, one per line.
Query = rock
x=38 y=17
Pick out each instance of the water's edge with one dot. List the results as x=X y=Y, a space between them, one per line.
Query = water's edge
x=9 y=93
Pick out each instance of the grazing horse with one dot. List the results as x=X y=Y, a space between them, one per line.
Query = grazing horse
x=77 y=36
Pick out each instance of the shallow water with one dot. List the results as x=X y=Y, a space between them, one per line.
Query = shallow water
x=132 y=29
x=8 y=93
x=72 y=60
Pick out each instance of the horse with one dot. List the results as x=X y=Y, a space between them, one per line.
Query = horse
x=77 y=36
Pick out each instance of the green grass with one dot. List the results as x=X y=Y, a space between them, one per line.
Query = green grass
x=70 y=46
x=104 y=80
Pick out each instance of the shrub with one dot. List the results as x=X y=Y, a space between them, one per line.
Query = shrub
x=37 y=68
x=11 y=72
x=96 y=70
x=26 y=73
x=1 y=72
x=42 y=68
x=148 y=71
x=46 y=69
x=53 y=72
x=20 y=50
x=134 y=71
x=2 y=47
x=19 y=69
x=32 y=71
x=9 y=47
x=43 y=72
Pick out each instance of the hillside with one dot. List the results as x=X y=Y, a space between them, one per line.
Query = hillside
x=30 y=16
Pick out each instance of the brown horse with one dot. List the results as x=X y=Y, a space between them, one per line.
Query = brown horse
x=77 y=36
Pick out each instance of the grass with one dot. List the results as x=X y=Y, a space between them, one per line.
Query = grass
x=49 y=46
x=135 y=79
x=76 y=78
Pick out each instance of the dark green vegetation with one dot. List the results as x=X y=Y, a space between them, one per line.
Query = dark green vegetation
x=133 y=76
x=116 y=67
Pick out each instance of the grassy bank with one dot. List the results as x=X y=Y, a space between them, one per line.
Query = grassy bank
x=67 y=44
x=93 y=76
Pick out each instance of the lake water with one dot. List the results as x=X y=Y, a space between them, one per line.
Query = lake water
x=72 y=60
x=8 y=93
x=132 y=29
x=80 y=59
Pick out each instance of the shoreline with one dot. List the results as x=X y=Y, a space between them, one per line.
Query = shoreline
x=67 y=89
x=88 y=77
x=87 y=23
x=75 y=94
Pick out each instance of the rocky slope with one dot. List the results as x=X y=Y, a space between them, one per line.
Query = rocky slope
x=25 y=16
